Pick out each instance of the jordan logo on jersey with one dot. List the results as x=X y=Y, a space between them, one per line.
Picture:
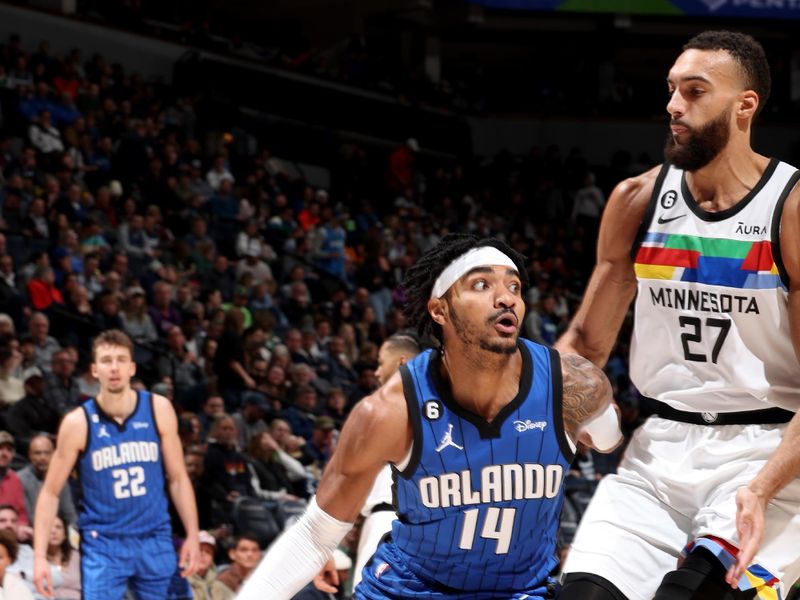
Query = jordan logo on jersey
x=103 y=433
x=447 y=440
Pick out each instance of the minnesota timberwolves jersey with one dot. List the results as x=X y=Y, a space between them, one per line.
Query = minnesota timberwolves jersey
x=122 y=472
x=478 y=503
x=711 y=332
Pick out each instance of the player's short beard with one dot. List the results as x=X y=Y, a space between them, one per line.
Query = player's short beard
x=468 y=336
x=703 y=146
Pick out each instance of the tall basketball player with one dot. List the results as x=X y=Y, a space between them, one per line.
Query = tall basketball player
x=479 y=435
x=709 y=244
x=124 y=443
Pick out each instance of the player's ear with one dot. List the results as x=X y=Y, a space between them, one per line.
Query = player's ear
x=748 y=105
x=436 y=309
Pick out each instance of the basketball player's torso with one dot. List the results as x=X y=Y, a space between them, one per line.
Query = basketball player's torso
x=122 y=472
x=711 y=326
x=478 y=502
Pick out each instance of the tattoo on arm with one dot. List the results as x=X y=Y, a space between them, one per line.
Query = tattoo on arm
x=586 y=389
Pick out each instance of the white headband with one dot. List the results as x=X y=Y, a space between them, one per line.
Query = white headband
x=477 y=257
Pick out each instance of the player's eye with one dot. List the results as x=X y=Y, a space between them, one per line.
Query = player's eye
x=480 y=284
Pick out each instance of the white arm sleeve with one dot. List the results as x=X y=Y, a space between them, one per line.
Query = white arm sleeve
x=296 y=557
x=604 y=429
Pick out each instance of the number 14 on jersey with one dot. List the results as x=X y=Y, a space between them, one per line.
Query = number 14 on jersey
x=498 y=524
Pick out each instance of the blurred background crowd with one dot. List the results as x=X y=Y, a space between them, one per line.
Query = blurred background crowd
x=258 y=271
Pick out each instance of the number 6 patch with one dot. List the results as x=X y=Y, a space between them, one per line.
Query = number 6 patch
x=433 y=410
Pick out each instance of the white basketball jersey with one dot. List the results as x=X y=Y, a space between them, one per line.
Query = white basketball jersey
x=711 y=329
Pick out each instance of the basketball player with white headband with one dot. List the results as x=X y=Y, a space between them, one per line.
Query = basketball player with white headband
x=479 y=433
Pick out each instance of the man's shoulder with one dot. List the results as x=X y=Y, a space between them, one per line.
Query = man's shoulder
x=26 y=474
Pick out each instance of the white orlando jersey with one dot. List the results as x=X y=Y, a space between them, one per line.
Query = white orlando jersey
x=711 y=329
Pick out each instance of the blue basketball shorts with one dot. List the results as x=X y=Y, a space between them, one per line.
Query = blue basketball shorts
x=386 y=577
x=109 y=564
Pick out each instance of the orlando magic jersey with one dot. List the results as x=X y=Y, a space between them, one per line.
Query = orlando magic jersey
x=712 y=320
x=122 y=472
x=478 y=503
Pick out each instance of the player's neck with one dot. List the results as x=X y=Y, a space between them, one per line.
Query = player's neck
x=118 y=406
x=727 y=179
x=482 y=384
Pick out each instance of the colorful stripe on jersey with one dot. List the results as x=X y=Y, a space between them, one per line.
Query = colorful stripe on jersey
x=711 y=261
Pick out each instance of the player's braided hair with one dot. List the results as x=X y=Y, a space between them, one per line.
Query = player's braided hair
x=420 y=278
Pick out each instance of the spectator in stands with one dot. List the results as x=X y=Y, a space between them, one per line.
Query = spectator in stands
x=44 y=345
x=12 y=587
x=213 y=407
x=138 y=324
x=279 y=475
x=222 y=278
x=542 y=325
x=253 y=264
x=44 y=136
x=322 y=442
x=35 y=225
x=339 y=370
x=12 y=388
x=66 y=560
x=232 y=377
x=329 y=243
x=163 y=311
x=40 y=452
x=42 y=290
x=206 y=574
x=23 y=565
x=366 y=384
x=61 y=390
x=226 y=476
x=244 y=557
x=218 y=173
x=11 y=492
x=275 y=387
x=32 y=414
x=107 y=315
x=194 y=459
x=249 y=420
x=184 y=370
x=302 y=414
x=336 y=406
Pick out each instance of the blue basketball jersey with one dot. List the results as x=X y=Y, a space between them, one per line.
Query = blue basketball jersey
x=122 y=472
x=478 y=504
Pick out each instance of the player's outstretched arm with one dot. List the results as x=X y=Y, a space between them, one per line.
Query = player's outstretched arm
x=612 y=286
x=71 y=441
x=590 y=413
x=376 y=432
x=178 y=483
x=784 y=465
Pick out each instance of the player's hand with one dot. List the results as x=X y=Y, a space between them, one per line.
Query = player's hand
x=42 y=579
x=750 y=509
x=327 y=579
x=190 y=556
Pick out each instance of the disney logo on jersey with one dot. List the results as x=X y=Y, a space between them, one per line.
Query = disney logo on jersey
x=140 y=425
x=743 y=229
x=527 y=425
